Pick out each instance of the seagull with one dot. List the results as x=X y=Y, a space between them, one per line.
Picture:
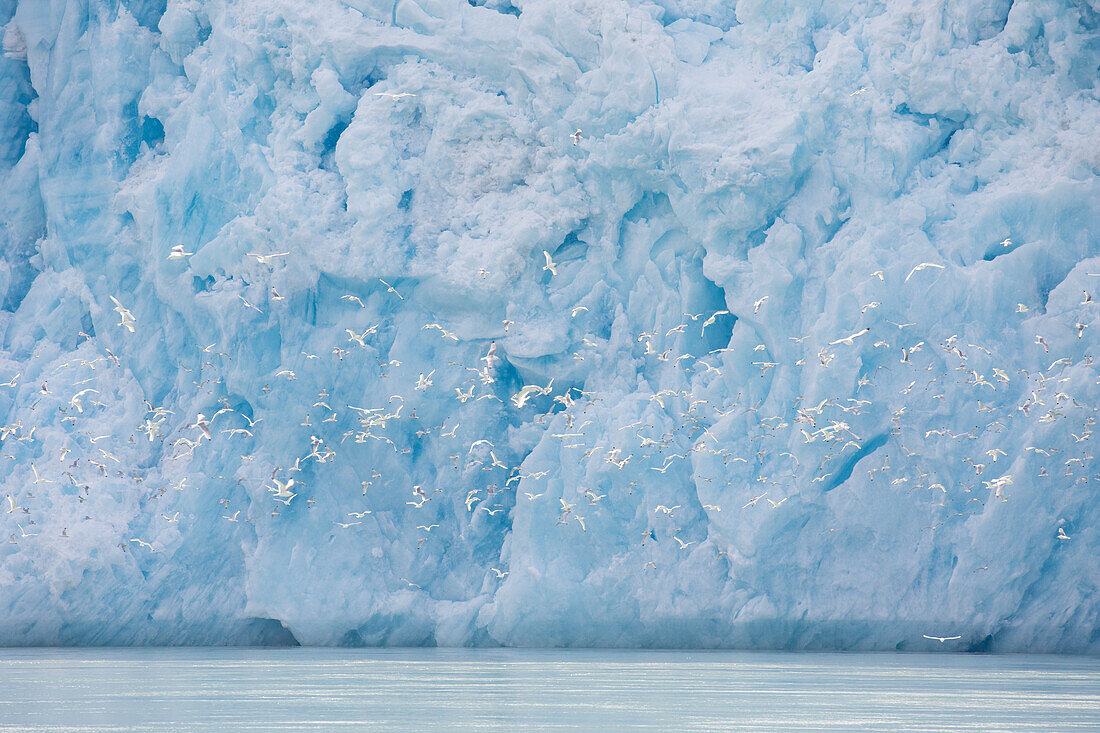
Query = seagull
x=395 y=95
x=423 y=382
x=499 y=573
x=202 y=424
x=1062 y=534
x=576 y=137
x=550 y=264
x=753 y=500
x=248 y=304
x=578 y=309
x=756 y=305
x=38 y=479
x=233 y=518
x=710 y=321
x=76 y=402
x=519 y=399
x=389 y=289
x=177 y=253
x=353 y=299
x=849 y=340
x=682 y=543
x=360 y=338
x=490 y=357
x=267 y=259
x=922 y=266
x=144 y=544
x=442 y=331
x=283 y=489
x=941 y=639
x=127 y=318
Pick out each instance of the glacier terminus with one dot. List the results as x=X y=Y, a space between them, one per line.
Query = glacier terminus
x=623 y=323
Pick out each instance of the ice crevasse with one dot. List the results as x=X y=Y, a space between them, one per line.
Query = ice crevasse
x=319 y=325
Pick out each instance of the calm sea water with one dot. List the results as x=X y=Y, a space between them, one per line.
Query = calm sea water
x=415 y=689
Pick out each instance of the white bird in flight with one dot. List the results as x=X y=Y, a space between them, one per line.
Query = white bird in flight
x=941 y=639
x=361 y=338
x=389 y=289
x=710 y=321
x=283 y=490
x=423 y=382
x=202 y=424
x=78 y=403
x=849 y=340
x=127 y=318
x=177 y=253
x=519 y=399
x=922 y=266
x=550 y=264
x=267 y=259
x=576 y=137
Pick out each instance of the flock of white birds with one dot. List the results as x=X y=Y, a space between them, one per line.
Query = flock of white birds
x=334 y=421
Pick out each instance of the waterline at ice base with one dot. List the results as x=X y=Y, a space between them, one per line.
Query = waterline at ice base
x=609 y=323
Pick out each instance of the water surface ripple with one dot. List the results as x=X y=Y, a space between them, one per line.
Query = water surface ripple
x=232 y=689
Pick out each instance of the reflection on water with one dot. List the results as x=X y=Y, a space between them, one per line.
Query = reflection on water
x=363 y=689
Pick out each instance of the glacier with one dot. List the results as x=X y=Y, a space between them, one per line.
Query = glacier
x=792 y=348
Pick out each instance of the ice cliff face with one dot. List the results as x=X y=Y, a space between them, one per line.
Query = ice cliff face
x=808 y=304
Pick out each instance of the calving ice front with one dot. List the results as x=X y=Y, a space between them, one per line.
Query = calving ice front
x=550 y=323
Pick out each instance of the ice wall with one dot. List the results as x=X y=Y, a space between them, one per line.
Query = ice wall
x=793 y=346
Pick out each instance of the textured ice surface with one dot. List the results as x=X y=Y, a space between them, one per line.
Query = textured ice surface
x=776 y=487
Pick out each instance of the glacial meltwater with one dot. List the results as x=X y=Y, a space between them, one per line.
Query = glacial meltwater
x=234 y=689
